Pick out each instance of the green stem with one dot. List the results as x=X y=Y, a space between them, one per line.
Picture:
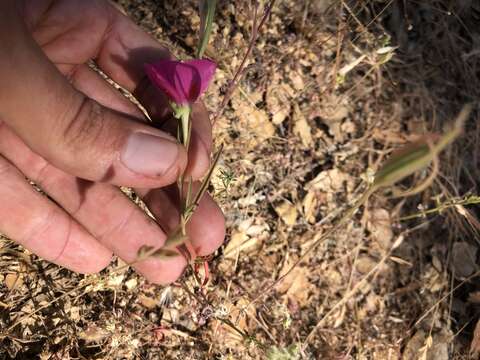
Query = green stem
x=186 y=130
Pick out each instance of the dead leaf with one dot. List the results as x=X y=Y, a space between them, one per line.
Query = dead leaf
x=475 y=344
x=337 y=113
x=380 y=225
x=147 y=302
x=251 y=200
x=13 y=281
x=279 y=116
x=278 y=101
x=332 y=277
x=256 y=120
x=115 y=280
x=297 y=80
x=427 y=347
x=310 y=203
x=296 y=285
x=340 y=317
x=93 y=334
x=241 y=242
x=333 y=116
x=301 y=127
x=287 y=212
x=413 y=346
x=74 y=313
x=330 y=181
x=131 y=284
x=239 y=313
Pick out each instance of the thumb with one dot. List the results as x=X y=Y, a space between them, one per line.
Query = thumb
x=71 y=131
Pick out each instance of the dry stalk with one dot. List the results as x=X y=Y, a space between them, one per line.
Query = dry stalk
x=240 y=70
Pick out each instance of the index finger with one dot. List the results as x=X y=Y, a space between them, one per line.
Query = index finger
x=122 y=56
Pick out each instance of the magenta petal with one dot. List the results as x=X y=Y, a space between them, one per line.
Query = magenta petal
x=206 y=70
x=162 y=75
x=183 y=82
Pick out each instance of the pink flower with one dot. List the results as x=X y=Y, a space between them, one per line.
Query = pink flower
x=183 y=82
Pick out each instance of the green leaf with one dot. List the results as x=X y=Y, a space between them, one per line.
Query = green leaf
x=403 y=163
x=207 y=13
x=418 y=155
x=143 y=251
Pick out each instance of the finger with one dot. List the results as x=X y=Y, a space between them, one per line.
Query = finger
x=120 y=48
x=102 y=209
x=201 y=141
x=206 y=228
x=122 y=56
x=201 y=144
x=94 y=86
x=73 y=132
x=32 y=220
x=104 y=33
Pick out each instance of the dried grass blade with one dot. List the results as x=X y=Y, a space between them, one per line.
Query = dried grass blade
x=204 y=186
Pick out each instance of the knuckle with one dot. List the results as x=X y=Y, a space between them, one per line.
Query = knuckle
x=117 y=229
x=42 y=175
x=5 y=167
x=84 y=126
x=98 y=265
x=43 y=227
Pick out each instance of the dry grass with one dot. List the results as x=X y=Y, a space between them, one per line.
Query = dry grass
x=324 y=101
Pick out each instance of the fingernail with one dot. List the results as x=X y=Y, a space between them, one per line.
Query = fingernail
x=148 y=154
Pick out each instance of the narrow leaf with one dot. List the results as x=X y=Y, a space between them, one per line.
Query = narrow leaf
x=165 y=254
x=143 y=251
x=403 y=163
x=420 y=154
x=175 y=239
x=204 y=186
x=207 y=13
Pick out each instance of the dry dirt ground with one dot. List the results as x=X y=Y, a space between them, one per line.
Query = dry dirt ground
x=331 y=89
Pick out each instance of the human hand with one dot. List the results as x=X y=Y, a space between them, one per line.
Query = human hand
x=64 y=127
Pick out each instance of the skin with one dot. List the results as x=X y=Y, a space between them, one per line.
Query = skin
x=65 y=128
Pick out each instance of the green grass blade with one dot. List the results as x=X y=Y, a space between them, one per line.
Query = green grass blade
x=207 y=14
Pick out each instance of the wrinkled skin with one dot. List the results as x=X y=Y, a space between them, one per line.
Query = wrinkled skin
x=65 y=128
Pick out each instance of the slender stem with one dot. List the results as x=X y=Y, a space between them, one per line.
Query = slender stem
x=184 y=135
x=239 y=72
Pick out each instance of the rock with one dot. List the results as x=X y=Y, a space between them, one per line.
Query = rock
x=463 y=259
x=425 y=347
